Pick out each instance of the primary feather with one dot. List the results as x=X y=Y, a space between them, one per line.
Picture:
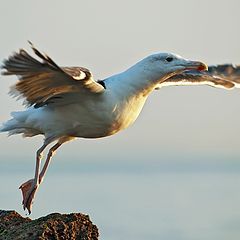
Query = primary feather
x=225 y=76
x=39 y=82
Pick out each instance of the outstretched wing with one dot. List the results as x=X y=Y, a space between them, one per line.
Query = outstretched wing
x=43 y=82
x=225 y=76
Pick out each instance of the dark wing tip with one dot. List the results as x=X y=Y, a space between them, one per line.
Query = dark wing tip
x=226 y=71
x=30 y=43
x=38 y=53
x=46 y=59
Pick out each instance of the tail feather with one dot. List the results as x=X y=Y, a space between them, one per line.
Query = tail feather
x=18 y=125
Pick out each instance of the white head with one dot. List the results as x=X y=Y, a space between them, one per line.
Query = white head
x=144 y=76
x=160 y=66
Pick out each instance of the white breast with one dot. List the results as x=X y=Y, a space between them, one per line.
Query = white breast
x=92 y=119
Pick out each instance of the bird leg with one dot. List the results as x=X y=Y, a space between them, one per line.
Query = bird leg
x=48 y=159
x=51 y=152
x=30 y=187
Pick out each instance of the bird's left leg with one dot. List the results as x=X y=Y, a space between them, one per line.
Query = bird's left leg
x=30 y=187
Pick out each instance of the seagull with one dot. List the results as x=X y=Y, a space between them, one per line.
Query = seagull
x=65 y=103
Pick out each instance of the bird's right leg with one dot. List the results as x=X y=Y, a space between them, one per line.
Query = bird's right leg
x=51 y=151
x=30 y=187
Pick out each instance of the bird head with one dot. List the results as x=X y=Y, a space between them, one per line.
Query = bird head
x=164 y=65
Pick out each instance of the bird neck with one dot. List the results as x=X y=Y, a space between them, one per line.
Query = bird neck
x=136 y=80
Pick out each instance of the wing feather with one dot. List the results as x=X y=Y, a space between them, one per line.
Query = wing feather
x=39 y=81
x=225 y=76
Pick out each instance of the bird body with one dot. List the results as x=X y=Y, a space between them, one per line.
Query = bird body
x=65 y=103
x=102 y=115
x=96 y=116
x=92 y=119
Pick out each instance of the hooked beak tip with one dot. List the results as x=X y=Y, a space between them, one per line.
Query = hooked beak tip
x=196 y=65
x=202 y=67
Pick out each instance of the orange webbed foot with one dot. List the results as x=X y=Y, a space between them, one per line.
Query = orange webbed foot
x=29 y=190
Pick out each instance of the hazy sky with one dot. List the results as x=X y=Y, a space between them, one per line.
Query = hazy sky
x=180 y=128
x=109 y=36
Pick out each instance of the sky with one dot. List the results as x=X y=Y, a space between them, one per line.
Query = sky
x=108 y=37
x=179 y=127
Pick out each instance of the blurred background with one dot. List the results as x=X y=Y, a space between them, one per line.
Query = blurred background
x=175 y=174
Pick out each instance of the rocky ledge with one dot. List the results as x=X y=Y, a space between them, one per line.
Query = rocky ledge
x=55 y=226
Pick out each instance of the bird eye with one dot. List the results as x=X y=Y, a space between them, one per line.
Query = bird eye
x=169 y=59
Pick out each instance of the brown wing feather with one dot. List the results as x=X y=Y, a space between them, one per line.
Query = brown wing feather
x=40 y=81
x=221 y=76
x=226 y=71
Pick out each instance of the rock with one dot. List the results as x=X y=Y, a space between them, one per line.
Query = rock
x=55 y=226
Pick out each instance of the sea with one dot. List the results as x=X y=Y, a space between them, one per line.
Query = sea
x=136 y=199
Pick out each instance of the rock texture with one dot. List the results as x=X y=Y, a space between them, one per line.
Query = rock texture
x=55 y=226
